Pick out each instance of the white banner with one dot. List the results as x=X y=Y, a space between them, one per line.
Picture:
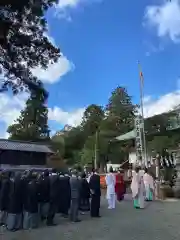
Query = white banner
x=138 y=140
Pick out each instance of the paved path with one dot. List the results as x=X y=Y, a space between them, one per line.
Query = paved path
x=159 y=221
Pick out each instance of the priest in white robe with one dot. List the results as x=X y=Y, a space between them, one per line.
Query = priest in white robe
x=138 y=188
x=149 y=185
x=111 y=195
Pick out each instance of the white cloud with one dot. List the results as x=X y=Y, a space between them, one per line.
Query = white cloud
x=164 y=103
x=10 y=107
x=55 y=71
x=152 y=49
x=165 y=18
x=146 y=99
x=63 y=7
x=72 y=118
x=68 y=3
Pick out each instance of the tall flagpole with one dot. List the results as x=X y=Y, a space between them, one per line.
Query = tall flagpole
x=142 y=113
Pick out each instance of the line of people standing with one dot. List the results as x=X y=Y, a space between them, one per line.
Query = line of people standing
x=28 y=198
x=142 y=187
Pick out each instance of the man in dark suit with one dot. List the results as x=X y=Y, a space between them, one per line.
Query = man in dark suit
x=53 y=197
x=95 y=188
x=65 y=195
x=75 y=195
x=44 y=195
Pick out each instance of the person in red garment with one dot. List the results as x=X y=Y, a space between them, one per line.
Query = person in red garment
x=120 y=185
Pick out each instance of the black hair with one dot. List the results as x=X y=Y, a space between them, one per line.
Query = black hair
x=93 y=170
x=54 y=170
x=46 y=173
x=83 y=175
x=137 y=169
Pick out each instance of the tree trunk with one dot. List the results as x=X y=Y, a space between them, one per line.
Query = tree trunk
x=101 y=167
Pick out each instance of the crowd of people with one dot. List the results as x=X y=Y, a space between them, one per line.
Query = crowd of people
x=28 y=198
x=142 y=187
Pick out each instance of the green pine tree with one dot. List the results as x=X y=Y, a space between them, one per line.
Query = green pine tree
x=32 y=124
x=121 y=111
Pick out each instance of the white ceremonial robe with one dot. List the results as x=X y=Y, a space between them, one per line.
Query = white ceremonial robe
x=149 y=184
x=111 y=195
x=88 y=178
x=138 y=189
x=141 y=193
x=146 y=184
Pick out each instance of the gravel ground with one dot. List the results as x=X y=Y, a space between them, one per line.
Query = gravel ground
x=159 y=221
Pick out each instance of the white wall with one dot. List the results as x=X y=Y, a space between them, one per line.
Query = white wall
x=132 y=157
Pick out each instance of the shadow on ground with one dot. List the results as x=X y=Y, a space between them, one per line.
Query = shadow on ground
x=159 y=221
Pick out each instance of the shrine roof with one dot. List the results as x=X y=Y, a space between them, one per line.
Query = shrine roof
x=14 y=145
x=127 y=136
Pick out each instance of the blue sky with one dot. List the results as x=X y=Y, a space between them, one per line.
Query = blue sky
x=101 y=42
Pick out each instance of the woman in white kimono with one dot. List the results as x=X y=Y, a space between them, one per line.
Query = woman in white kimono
x=111 y=195
x=149 y=186
x=138 y=189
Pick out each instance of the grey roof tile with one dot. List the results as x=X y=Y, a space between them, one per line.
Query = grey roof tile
x=23 y=146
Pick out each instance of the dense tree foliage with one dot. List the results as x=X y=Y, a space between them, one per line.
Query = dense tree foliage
x=163 y=131
x=92 y=118
x=58 y=145
x=96 y=134
x=99 y=126
x=160 y=123
x=121 y=110
x=32 y=124
x=23 y=42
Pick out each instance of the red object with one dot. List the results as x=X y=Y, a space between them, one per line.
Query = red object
x=120 y=187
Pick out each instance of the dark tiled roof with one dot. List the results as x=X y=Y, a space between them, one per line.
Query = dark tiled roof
x=23 y=146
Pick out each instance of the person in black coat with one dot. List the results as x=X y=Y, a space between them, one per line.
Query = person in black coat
x=95 y=189
x=15 y=207
x=4 y=197
x=31 y=204
x=25 y=178
x=75 y=196
x=44 y=195
x=0 y=180
x=54 y=198
x=64 y=195
x=84 y=204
